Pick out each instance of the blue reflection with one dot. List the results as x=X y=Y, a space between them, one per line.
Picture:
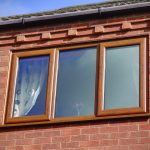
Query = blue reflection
x=31 y=84
x=76 y=83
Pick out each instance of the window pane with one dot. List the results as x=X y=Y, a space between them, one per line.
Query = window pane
x=76 y=83
x=31 y=84
x=122 y=77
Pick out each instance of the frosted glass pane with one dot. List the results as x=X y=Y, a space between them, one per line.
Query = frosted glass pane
x=31 y=84
x=76 y=83
x=122 y=77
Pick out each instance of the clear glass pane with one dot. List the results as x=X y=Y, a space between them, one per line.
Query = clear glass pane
x=122 y=77
x=76 y=83
x=31 y=84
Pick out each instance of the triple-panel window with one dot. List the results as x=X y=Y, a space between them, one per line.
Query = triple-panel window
x=82 y=82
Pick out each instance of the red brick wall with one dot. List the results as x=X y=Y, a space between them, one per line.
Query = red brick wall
x=116 y=134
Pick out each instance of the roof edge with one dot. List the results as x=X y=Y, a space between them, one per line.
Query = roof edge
x=126 y=7
x=98 y=11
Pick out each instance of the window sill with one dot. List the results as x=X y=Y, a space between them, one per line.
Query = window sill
x=74 y=120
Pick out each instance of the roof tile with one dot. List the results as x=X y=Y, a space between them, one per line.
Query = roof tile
x=109 y=3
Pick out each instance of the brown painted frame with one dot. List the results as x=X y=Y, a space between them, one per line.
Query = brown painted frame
x=142 y=91
x=11 y=87
x=55 y=81
x=100 y=114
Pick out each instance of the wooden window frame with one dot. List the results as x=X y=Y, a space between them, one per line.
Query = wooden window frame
x=70 y=48
x=142 y=79
x=99 y=113
x=12 y=85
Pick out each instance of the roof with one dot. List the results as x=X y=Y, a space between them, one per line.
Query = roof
x=109 y=3
x=97 y=9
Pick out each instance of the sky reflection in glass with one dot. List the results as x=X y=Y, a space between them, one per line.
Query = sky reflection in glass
x=31 y=84
x=76 y=83
x=122 y=77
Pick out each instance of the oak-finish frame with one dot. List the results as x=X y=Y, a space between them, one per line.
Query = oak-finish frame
x=12 y=83
x=100 y=113
x=142 y=78
x=70 y=48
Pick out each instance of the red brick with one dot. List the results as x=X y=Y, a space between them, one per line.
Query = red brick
x=5 y=68
x=51 y=133
x=95 y=148
x=46 y=36
x=2 y=148
x=80 y=138
x=90 y=131
x=33 y=38
x=33 y=135
x=126 y=25
x=58 y=35
x=42 y=140
x=76 y=149
x=15 y=148
x=70 y=145
x=122 y=147
x=50 y=146
x=112 y=28
x=3 y=74
x=20 y=38
x=85 y=32
x=119 y=135
x=16 y=135
x=144 y=140
x=60 y=139
x=109 y=142
x=2 y=85
x=138 y=147
x=3 y=81
x=140 y=25
x=7 y=41
x=3 y=136
x=23 y=142
x=144 y=127
x=3 y=64
x=108 y=129
x=4 y=59
x=128 y=141
x=7 y=143
x=4 y=53
x=89 y=143
x=33 y=147
x=128 y=128
x=72 y=32
x=139 y=134
x=70 y=132
x=98 y=29
x=99 y=136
